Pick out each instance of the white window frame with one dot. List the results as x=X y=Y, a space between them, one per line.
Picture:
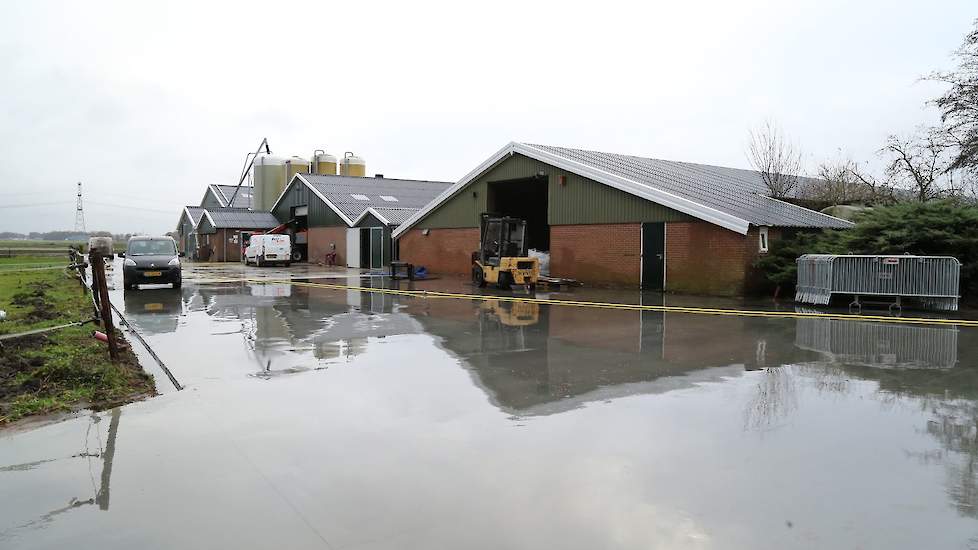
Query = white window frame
x=763 y=242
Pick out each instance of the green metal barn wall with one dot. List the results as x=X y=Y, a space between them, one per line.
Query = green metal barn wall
x=579 y=201
x=370 y=221
x=205 y=227
x=320 y=215
x=186 y=234
x=209 y=201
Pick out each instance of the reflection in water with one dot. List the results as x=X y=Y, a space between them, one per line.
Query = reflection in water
x=954 y=424
x=775 y=400
x=532 y=360
x=916 y=363
x=883 y=345
x=100 y=490
x=156 y=310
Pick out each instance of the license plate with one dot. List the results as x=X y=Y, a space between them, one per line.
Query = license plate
x=153 y=307
x=152 y=273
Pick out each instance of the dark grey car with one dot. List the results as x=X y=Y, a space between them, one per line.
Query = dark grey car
x=151 y=260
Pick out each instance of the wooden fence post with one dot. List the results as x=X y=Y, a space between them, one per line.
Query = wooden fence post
x=105 y=308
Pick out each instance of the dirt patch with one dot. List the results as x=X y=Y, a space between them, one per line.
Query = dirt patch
x=62 y=370
x=35 y=298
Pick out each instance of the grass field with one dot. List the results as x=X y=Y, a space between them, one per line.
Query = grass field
x=62 y=370
x=24 y=262
x=12 y=248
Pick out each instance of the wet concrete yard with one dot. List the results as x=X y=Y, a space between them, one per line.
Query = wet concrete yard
x=320 y=418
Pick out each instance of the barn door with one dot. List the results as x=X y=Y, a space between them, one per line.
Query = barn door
x=653 y=255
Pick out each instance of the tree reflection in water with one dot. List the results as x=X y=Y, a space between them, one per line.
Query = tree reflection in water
x=912 y=365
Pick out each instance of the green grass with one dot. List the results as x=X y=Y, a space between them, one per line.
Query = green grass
x=15 y=247
x=62 y=370
x=28 y=262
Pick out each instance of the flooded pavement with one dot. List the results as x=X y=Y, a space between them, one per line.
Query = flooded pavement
x=320 y=418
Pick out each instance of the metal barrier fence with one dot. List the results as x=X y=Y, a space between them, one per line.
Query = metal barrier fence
x=878 y=344
x=931 y=281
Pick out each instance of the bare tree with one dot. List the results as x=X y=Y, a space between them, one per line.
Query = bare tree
x=959 y=104
x=776 y=158
x=837 y=183
x=924 y=164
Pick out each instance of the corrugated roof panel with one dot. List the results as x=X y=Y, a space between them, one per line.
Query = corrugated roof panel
x=733 y=191
x=242 y=218
x=243 y=197
x=339 y=190
x=396 y=216
x=195 y=213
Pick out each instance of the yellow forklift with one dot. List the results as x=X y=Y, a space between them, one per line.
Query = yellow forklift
x=501 y=258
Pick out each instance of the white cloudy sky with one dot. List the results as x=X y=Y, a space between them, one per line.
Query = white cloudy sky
x=146 y=103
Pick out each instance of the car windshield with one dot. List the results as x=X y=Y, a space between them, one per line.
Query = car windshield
x=155 y=248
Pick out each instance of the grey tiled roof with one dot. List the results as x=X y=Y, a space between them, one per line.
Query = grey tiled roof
x=396 y=216
x=242 y=218
x=241 y=200
x=733 y=191
x=195 y=213
x=339 y=190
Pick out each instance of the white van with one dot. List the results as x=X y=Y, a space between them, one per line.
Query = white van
x=268 y=249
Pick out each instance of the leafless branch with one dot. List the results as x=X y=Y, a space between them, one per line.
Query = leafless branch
x=778 y=161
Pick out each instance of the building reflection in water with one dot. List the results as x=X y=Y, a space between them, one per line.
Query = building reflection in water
x=533 y=359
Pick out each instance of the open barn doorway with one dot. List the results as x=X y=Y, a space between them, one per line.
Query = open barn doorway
x=525 y=199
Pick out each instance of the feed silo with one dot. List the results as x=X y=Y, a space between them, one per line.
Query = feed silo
x=293 y=166
x=270 y=178
x=323 y=163
x=353 y=165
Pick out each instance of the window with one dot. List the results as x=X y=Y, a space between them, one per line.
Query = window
x=389 y=198
x=360 y=197
x=762 y=234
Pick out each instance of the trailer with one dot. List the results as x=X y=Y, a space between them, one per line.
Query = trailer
x=930 y=282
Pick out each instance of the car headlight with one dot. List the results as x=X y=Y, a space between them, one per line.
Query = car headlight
x=129 y=262
x=174 y=261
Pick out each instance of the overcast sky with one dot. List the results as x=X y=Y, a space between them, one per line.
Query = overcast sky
x=146 y=103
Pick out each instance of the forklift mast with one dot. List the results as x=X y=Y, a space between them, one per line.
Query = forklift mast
x=500 y=237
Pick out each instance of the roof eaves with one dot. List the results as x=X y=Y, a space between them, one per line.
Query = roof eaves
x=218 y=194
x=846 y=223
x=185 y=212
x=339 y=213
x=207 y=214
x=286 y=190
x=374 y=213
x=664 y=198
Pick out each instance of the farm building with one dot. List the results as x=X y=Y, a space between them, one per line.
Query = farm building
x=222 y=232
x=612 y=219
x=351 y=216
x=187 y=229
x=221 y=196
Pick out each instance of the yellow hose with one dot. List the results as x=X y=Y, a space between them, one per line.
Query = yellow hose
x=619 y=306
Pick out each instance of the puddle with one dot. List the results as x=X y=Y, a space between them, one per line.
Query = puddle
x=317 y=417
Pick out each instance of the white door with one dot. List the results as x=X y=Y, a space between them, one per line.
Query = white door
x=353 y=247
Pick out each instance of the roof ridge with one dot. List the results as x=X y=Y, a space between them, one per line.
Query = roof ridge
x=657 y=159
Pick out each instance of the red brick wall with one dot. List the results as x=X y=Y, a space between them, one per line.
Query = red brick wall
x=702 y=258
x=600 y=328
x=597 y=253
x=320 y=239
x=445 y=251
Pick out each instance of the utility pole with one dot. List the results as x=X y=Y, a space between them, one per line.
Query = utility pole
x=79 y=214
